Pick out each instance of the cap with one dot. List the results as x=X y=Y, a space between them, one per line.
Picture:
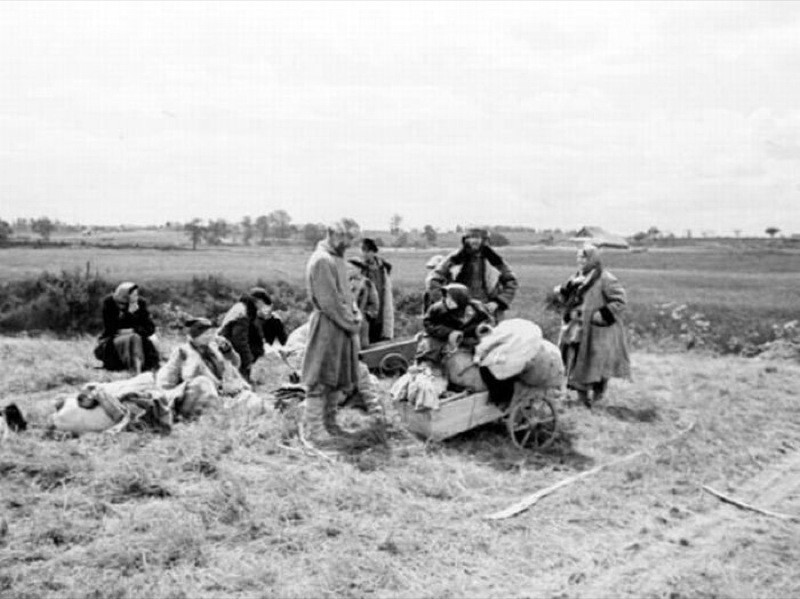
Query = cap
x=197 y=326
x=260 y=293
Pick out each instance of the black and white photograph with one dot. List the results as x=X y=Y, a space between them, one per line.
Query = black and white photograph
x=400 y=299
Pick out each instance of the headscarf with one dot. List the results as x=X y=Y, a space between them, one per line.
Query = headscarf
x=346 y=227
x=122 y=294
x=592 y=255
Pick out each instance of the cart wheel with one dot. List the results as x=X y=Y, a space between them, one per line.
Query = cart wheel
x=532 y=423
x=393 y=365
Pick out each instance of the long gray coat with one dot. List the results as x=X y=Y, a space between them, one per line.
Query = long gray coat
x=331 y=357
x=603 y=349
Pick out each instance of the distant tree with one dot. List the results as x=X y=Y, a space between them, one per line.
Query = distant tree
x=5 y=231
x=639 y=237
x=262 y=227
x=43 y=227
x=402 y=240
x=499 y=240
x=313 y=233
x=394 y=224
x=279 y=222
x=653 y=233
x=459 y=229
x=195 y=230
x=216 y=231
x=247 y=230
x=737 y=233
x=429 y=233
x=772 y=231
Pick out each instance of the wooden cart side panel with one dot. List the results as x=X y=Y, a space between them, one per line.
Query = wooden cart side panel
x=373 y=354
x=452 y=418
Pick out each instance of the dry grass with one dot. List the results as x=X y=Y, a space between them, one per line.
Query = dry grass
x=236 y=508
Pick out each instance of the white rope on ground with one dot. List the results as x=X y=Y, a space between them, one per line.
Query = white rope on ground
x=747 y=506
x=532 y=499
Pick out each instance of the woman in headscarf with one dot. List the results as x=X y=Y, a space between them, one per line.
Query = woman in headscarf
x=593 y=342
x=125 y=343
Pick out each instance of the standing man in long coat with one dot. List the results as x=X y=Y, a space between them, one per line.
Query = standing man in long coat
x=330 y=366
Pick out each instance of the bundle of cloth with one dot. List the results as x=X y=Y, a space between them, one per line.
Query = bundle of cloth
x=515 y=349
x=419 y=386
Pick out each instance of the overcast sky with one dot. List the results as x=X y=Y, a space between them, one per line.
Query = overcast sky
x=625 y=115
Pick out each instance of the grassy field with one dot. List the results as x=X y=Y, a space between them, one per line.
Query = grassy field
x=230 y=507
x=743 y=294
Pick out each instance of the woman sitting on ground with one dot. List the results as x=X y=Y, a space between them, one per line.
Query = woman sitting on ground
x=126 y=342
x=196 y=370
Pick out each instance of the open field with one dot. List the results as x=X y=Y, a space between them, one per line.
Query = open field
x=742 y=294
x=763 y=278
x=235 y=508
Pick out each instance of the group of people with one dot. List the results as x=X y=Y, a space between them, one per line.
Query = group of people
x=352 y=307
x=476 y=286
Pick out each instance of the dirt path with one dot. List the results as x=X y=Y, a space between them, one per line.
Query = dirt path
x=725 y=552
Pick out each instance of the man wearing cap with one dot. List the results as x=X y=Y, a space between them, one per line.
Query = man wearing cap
x=196 y=369
x=483 y=271
x=243 y=329
x=330 y=364
x=378 y=271
x=125 y=343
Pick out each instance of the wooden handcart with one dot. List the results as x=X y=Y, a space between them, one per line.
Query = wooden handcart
x=530 y=418
x=390 y=358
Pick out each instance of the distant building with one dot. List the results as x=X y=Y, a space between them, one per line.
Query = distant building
x=601 y=238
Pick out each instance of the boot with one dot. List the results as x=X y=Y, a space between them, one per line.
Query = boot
x=331 y=406
x=583 y=397
x=314 y=429
x=599 y=390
